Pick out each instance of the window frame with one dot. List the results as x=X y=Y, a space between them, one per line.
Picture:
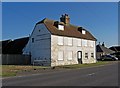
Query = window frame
x=91 y=43
x=61 y=27
x=59 y=55
x=83 y=32
x=79 y=42
x=92 y=55
x=70 y=53
x=69 y=41
x=84 y=42
x=33 y=40
x=59 y=39
x=86 y=55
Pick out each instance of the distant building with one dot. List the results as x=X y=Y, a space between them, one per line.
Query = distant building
x=115 y=48
x=102 y=50
x=14 y=46
x=11 y=52
x=61 y=43
x=117 y=51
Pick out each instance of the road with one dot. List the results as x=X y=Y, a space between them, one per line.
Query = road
x=106 y=75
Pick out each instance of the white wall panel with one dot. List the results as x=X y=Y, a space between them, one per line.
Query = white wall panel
x=40 y=48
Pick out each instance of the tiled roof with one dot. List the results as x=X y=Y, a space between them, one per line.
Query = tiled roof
x=100 y=48
x=69 y=30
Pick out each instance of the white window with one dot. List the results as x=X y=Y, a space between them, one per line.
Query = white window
x=83 y=32
x=70 y=55
x=60 y=40
x=79 y=42
x=84 y=42
x=60 y=27
x=70 y=41
x=60 y=55
x=91 y=44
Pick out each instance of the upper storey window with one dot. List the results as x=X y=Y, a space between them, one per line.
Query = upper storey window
x=60 y=27
x=84 y=42
x=70 y=41
x=83 y=32
x=60 y=40
x=32 y=40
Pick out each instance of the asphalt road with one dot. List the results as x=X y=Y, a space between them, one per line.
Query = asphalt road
x=94 y=76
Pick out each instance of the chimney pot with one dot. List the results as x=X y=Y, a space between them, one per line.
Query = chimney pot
x=65 y=18
x=103 y=44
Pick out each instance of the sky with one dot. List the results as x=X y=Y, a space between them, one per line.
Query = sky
x=99 y=18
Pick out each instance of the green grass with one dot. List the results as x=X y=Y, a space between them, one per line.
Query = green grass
x=12 y=70
x=8 y=74
x=83 y=65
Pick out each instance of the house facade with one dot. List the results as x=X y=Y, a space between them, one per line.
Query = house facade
x=60 y=43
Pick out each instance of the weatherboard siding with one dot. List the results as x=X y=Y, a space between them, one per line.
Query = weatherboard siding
x=40 y=48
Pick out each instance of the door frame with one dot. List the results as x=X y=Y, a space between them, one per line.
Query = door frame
x=79 y=59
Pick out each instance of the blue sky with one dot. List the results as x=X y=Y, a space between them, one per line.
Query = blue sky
x=100 y=18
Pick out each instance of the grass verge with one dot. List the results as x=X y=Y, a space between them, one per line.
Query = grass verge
x=13 y=70
x=84 y=65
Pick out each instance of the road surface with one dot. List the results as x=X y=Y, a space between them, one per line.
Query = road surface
x=106 y=75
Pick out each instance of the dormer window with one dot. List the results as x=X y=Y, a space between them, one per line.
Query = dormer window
x=83 y=32
x=60 y=27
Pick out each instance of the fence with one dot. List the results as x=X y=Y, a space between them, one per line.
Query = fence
x=15 y=59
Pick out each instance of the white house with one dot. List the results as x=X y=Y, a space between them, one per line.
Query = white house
x=60 y=43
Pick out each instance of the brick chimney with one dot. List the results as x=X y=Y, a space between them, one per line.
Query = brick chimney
x=65 y=18
x=103 y=44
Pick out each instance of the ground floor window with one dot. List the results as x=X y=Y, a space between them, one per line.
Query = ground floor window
x=92 y=55
x=86 y=55
x=60 y=55
x=70 y=55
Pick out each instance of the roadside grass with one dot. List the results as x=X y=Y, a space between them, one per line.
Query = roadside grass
x=84 y=65
x=13 y=70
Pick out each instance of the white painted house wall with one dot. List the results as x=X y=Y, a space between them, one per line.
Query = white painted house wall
x=66 y=48
x=40 y=48
x=58 y=50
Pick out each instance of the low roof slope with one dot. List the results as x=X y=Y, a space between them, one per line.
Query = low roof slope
x=100 y=48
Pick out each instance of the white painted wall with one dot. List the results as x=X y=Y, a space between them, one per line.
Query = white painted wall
x=46 y=47
x=40 y=48
x=55 y=48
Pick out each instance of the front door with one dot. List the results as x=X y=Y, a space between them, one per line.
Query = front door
x=79 y=56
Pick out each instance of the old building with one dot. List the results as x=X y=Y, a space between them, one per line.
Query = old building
x=102 y=50
x=60 y=43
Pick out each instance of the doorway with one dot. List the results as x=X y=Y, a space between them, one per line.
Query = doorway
x=79 y=56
